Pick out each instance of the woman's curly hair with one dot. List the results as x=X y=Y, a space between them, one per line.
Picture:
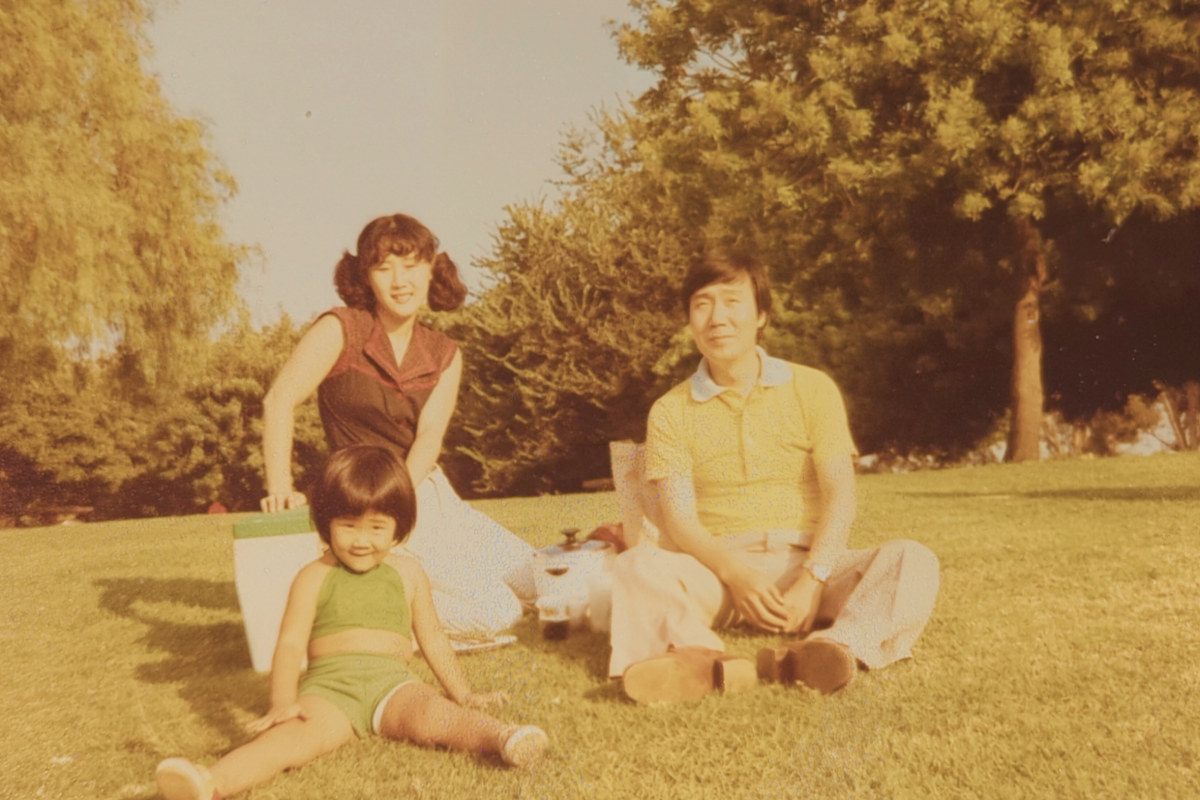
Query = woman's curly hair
x=401 y=235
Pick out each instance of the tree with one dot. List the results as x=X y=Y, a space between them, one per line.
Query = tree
x=860 y=123
x=925 y=181
x=208 y=445
x=1134 y=324
x=70 y=443
x=89 y=446
x=109 y=242
x=563 y=351
x=109 y=237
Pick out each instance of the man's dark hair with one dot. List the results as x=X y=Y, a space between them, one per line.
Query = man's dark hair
x=720 y=266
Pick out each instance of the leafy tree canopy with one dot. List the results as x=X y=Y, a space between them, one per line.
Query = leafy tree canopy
x=113 y=267
x=910 y=171
x=109 y=237
x=876 y=127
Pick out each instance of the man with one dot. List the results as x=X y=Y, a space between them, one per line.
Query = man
x=753 y=463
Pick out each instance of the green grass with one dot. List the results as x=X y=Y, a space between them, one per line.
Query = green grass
x=1063 y=661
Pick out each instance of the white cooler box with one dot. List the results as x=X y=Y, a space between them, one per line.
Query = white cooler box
x=268 y=551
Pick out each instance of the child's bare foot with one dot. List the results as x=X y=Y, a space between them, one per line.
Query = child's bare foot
x=180 y=779
x=524 y=746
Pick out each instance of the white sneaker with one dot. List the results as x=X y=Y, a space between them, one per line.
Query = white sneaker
x=180 y=779
x=524 y=746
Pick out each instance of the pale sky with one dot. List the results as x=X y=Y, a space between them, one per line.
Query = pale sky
x=329 y=114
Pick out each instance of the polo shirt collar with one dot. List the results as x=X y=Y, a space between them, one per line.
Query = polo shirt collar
x=774 y=372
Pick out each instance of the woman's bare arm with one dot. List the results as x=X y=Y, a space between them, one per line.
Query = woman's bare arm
x=313 y=358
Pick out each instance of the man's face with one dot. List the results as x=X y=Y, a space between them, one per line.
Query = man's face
x=725 y=320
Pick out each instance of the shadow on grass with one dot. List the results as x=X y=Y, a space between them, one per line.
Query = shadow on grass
x=209 y=660
x=1145 y=493
x=584 y=649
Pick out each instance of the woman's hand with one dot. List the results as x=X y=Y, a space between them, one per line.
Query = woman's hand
x=281 y=502
x=480 y=701
x=275 y=717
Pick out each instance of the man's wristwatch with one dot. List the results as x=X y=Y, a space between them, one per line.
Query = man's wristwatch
x=819 y=571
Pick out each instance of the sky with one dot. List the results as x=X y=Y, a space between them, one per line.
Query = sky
x=331 y=114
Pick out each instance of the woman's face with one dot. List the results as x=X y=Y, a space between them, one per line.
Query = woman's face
x=400 y=285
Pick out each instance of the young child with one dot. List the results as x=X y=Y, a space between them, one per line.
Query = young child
x=354 y=616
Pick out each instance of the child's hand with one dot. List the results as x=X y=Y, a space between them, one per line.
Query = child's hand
x=477 y=700
x=274 y=717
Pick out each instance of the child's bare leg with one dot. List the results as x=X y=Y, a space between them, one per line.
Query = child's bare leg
x=418 y=713
x=287 y=745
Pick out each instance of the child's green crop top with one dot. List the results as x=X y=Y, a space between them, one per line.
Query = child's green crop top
x=350 y=600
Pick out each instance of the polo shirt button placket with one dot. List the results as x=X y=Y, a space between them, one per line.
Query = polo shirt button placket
x=747 y=436
x=746 y=443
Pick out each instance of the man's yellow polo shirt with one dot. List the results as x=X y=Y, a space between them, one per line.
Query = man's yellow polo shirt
x=751 y=459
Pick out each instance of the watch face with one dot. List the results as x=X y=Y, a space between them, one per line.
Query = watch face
x=819 y=571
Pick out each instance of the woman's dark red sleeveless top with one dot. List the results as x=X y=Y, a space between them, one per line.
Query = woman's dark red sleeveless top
x=367 y=398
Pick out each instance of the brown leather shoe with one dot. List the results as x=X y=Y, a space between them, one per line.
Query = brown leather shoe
x=686 y=673
x=821 y=664
x=769 y=664
x=732 y=674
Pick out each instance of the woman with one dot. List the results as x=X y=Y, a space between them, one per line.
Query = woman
x=382 y=377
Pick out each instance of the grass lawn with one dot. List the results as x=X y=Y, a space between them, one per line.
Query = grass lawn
x=1063 y=661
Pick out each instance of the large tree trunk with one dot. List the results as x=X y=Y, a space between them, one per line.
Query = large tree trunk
x=1028 y=396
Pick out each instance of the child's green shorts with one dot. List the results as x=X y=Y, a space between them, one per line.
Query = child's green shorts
x=359 y=684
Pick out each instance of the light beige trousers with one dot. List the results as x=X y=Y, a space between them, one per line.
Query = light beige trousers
x=876 y=602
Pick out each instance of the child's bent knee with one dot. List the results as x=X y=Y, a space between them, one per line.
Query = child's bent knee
x=407 y=706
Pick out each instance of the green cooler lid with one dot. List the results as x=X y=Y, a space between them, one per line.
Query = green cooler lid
x=278 y=523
